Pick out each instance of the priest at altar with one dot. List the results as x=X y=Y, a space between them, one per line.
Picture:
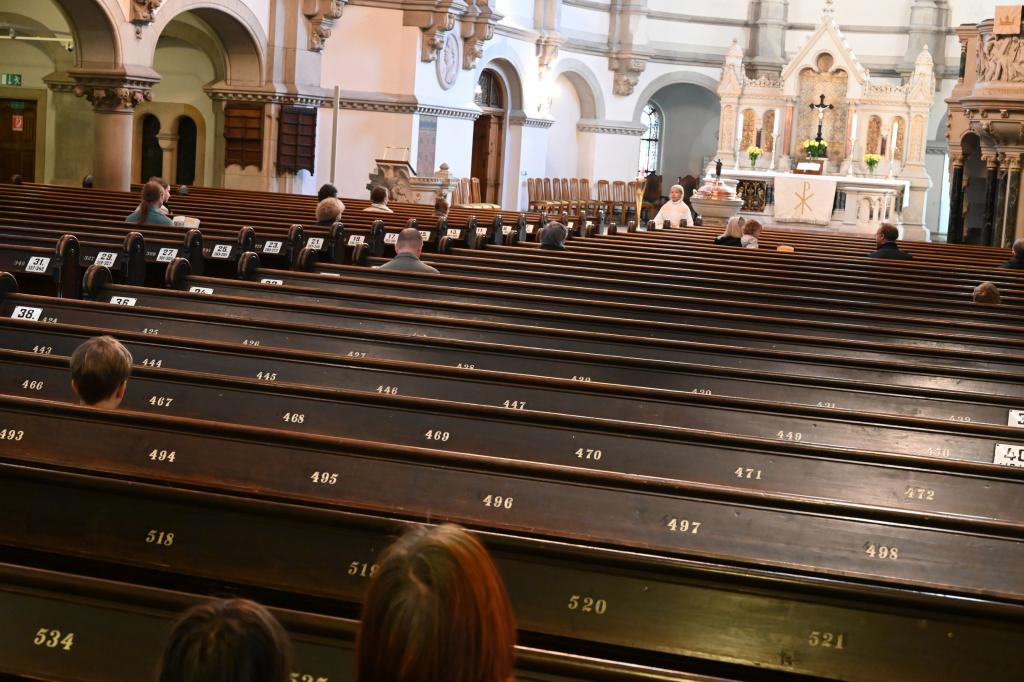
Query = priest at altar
x=824 y=95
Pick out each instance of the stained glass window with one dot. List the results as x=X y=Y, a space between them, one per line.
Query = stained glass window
x=650 y=143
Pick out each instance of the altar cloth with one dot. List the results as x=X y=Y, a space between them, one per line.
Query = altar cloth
x=804 y=199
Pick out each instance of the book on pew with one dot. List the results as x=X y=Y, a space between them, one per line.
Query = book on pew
x=185 y=221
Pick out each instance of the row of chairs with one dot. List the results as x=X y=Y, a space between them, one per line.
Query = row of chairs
x=615 y=198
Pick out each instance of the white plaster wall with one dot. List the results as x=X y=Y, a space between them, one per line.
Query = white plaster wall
x=861 y=13
x=184 y=70
x=517 y=12
x=362 y=138
x=726 y=9
x=358 y=59
x=694 y=37
x=690 y=128
x=532 y=163
x=562 y=153
x=582 y=21
x=454 y=147
x=616 y=157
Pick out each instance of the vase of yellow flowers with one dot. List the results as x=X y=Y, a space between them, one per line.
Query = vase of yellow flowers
x=754 y=153
x=815 y=149
x=872 y=161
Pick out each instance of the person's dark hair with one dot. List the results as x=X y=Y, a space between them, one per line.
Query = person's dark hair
x=98 y=368
x=1018 y=248
x=436 y=611
x=752 y=227
x=16 y=179
x=987 y=292
x=228 y=640
x=87 y=182
x=378 y=194
x=160 y=181
x=554 y=234
x=152 y=197
x=889 y=232
x=327 y=191
x=183 y=189
x=409 y=239
x=440 y=207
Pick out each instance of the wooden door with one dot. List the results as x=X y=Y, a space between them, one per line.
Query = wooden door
x=17 y=139
x=488 y=148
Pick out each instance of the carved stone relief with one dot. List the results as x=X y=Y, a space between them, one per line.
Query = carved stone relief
x=627 y=67
x=749 y=130
x=1001 y=59
x=874 y=143
x=144 y=11
x=113 y=95
x=321 y=15
x=768 y=128
x=917 y=127
x=448 y=62
x=901 y=134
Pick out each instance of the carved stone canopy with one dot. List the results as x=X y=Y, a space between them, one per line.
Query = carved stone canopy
x=321 y=15
x=437 y=17
x=477 y=28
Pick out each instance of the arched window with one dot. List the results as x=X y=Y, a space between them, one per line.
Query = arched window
x=650 y=143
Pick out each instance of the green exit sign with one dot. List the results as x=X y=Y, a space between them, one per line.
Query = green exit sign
x=13 y=79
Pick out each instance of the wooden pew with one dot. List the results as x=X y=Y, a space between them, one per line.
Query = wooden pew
x=262 y=542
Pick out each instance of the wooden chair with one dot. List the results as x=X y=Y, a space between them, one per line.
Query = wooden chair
x=654 y=194
x=571 y=203
x=604 y=197
x=587 y=196
x=475 y=191
x=620 y=199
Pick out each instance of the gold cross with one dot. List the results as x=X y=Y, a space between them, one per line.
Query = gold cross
x=807 y=196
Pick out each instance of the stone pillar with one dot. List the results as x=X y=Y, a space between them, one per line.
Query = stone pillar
x=925 y=30
x=991 y=189
x=113 y=99
x=955 y=231
x=169 y=146
x=767 y=45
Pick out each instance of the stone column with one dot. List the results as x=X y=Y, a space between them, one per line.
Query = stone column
x=991 y=160
x=955 y=231
x=925 y=30
x=767 y=45
x=113 y=99
x=169 y=146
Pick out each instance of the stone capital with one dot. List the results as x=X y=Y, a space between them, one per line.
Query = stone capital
x=114 y=92
x=477 y=28
x=627 y=67
x=144 y=11
x=434 y=18
x=991 y=160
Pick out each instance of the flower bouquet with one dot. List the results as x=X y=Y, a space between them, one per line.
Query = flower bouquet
x=815 y=149
x=754 y=152
x=872 y=161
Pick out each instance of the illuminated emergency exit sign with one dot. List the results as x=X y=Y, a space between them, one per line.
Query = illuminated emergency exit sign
x=13 y=79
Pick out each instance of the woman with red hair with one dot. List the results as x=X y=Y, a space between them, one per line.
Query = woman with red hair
x=436 y=611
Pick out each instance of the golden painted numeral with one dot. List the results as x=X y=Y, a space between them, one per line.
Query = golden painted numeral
x=355 y=354
x=514 y=404
x=266 y=376
x=464 y=365
x=387 y=390
x=42 y=350
x=576 y=377
x=498 y=501
x=160 y=537
x=363 y=569
x=701 y=391
x=434 y=434
x=963 y=418
x=588 y=453
x=828 y=405
x=683 y=526
x=250 y=342
x=882 y=551
x=587 y=604
x=913 y=493
x=151 y=331
x=794 y=436
x=161 y=401
x=11 y=434
x=294 y=418
x=827 y=640
x=51 y=639
x=938 y=452
x=152 y=362
x=324 y=477
x=748 y=472
x=32 y=385
x=306 y=677
x=162 y=455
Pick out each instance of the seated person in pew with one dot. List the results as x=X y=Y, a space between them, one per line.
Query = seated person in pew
x=436 y=610
x=751 y=231
x=1017 y=262
x=988 y=293
x=408 y=249
x=100 y=368
x=675 y=210
x=553 y=236
x=148 y=212
x=378 y=201
x=227 y=640
x=326 y=191
x=329 y=211
x=885 y=239
x=733 y=235
x=167 y=194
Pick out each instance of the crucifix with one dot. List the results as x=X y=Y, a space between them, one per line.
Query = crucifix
x=822 y=108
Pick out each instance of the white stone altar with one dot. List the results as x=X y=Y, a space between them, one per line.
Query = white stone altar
x=865 y=117
x=859 y=204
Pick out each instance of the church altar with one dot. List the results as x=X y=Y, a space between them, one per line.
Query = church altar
x=825 y=95
x=846 y=204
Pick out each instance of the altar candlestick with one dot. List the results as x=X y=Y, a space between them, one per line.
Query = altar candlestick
x=758 y=142
x=892 y=138
x=775 y=136
x=739 y=134
x=885 y=148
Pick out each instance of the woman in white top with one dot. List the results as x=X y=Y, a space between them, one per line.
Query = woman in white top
x=675 y=211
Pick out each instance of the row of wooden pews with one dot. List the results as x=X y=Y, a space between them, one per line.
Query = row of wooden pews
x=690 y=462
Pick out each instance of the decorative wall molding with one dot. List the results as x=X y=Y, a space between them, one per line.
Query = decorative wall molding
x=527 y=122
x=113 y=92
x=610 y=127
x=478 y=25
x=321 y=15
x=434 y=18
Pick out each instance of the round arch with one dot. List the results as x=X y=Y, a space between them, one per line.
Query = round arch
x=237 y=28
x=505 y=62
x=588 y=90
x=93 y=25
x=668 y=79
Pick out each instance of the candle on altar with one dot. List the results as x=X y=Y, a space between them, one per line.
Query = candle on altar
x=853 y=131
x=758 y=142
x=892 y=138
x=885 y=148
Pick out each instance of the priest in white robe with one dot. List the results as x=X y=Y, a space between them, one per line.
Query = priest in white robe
x=675 y=211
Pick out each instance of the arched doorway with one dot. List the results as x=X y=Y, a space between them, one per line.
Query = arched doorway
x=974 y=184
x=185 y=163
x=689 y=128
x=489 y=136
x=152 y=161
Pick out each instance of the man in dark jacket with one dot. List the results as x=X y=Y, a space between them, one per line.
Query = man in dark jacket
x=885 y=238
x=1017 y=262
x=407 y=253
